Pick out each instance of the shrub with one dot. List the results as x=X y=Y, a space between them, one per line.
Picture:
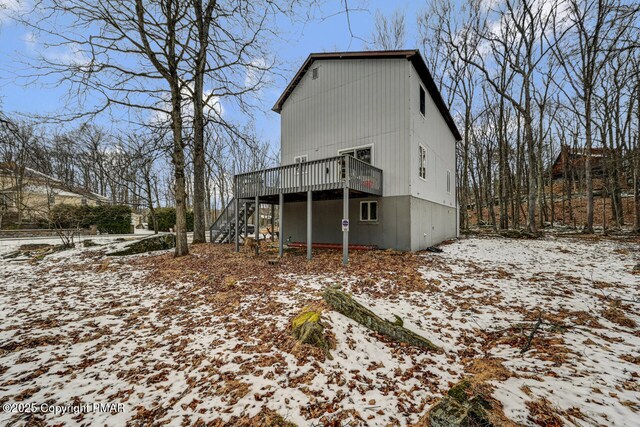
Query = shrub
x=167 y=219
x=112 y=219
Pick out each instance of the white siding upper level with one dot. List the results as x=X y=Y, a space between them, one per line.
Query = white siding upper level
x=352 y=103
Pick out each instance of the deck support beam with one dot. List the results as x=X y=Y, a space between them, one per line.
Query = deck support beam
x=244 y=220
x=236 y=225
x=273 y=220
x=280 y=225
x=345 y=232
x=309 y=222
x=256 y=225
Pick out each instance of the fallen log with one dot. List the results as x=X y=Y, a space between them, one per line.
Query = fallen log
x=149 y=244
x=343 y=303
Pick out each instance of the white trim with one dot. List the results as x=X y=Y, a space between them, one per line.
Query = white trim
x=426 y=161
x=369 y=202
x=359 y=147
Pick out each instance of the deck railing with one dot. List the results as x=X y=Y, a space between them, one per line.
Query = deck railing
x=316 y=175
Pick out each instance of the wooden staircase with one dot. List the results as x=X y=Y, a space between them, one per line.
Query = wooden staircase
x=223 y=229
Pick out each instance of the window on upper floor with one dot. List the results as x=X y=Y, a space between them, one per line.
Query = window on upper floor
x=363 y=153
x=422 y=162
x=314 y=73
x=299 y=160
x=369 y=211
x=423 y=100
x=449 y=182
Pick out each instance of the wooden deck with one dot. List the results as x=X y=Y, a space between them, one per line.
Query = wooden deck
x=332 y=173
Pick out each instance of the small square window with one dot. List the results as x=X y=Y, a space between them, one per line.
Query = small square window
x=422 y=100
x=369 y=211
x=314 y=73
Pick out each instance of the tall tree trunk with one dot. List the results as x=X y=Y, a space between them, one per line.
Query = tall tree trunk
x=533 y=168
x=182 y=247
x=588 y=172
x=203 y=21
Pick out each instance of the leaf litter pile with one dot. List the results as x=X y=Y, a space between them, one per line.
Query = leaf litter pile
x=550 y=327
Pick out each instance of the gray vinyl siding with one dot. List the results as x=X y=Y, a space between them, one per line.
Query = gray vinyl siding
x=352 y=103
x=390 y=231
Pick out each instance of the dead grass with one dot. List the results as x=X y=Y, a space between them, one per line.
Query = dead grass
x=543 y=414
x=614 y=314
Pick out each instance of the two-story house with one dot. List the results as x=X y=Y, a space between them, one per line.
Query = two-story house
x=368 y=151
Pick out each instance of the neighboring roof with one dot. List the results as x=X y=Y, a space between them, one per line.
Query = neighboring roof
x=8 y=168
x=53 y=185
x=410 y=55
x=55 y=191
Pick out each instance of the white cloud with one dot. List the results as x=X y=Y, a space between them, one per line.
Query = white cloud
x=67 y=55
x=10 y=8
x=213 y=108
x=255 y=72
x=30 y=41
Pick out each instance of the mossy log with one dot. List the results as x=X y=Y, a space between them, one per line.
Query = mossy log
x=155 y=243
x=307 y=329
x=345 y=304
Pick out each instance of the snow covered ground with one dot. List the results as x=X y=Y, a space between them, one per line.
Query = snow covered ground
x=207 y=338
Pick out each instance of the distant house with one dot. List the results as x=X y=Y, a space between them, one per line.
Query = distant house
x=367 y=152
x=572 y=161
x=27 y=195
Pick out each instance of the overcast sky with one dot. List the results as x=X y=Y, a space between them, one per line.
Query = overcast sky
x=329 y=32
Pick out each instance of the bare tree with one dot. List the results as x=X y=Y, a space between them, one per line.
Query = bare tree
x=599 y=29
x=390 y=32
x=132 y=54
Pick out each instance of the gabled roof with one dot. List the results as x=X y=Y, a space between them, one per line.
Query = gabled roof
x=410 y=55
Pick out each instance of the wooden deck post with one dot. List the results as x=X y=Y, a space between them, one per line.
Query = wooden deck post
x=345 y=212
x=309 y=222
x=244 y=219
x=236 y=214
x=280 y=225
x=256 y=224
x=273 y=220
x=345 y=233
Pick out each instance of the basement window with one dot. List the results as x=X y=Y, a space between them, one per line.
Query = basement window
x=369 y=211
x=423 y=101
